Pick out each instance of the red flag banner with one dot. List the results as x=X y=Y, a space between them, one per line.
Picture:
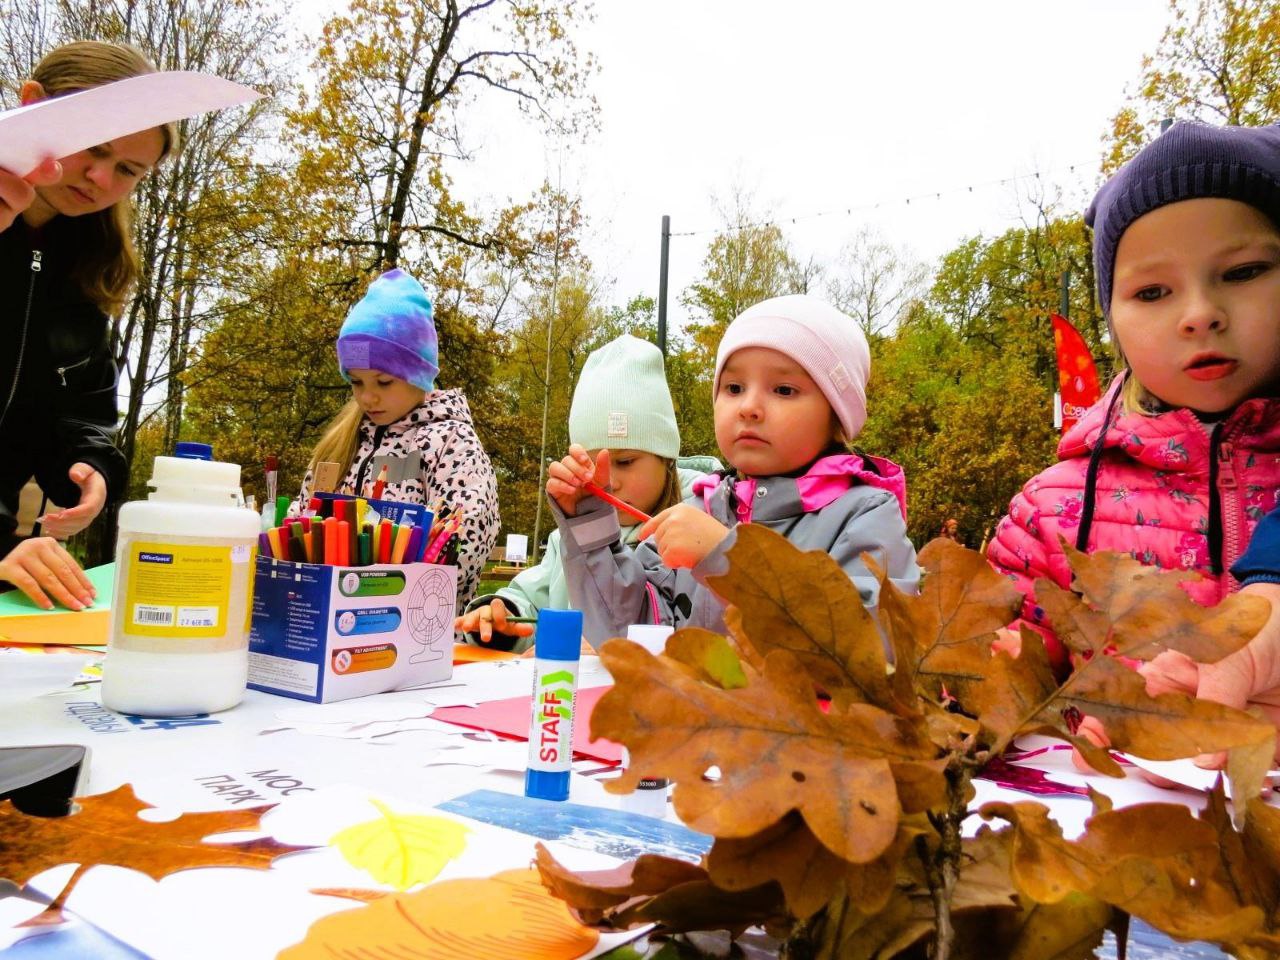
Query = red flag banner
x=1077 y=376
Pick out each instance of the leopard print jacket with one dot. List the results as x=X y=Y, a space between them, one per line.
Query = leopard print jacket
x=432 y=452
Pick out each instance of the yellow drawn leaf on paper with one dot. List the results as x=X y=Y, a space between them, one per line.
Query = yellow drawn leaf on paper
x=496 y=918
x=402 y=849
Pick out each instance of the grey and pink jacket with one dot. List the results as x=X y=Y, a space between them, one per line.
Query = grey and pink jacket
x=1167 y=489
x=844 y=504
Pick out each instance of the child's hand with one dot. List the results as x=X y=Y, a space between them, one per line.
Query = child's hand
x=93 y=497
x=491 y=617
x=1248 y=677
x=683 y=535
x=41 y=566
x=566 y=477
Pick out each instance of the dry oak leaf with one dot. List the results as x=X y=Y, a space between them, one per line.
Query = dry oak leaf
x=508 y=915
x=591 y=893
x=803 y=602
x=790 y=855
x=943 y=636
x=1165 y=727
x=983 y=906
x=1152 y=860
x=106 y=829
x=1251 y=859
x=654 y=889
x=776 y=751
x=1150 y=613
x=709 y=657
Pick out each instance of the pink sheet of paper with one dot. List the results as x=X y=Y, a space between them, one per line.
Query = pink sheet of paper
x=510 y=718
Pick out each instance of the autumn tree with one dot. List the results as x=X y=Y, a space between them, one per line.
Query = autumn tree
x=961 y=393
x=396 y=79
x=1218 y=61
x=876 y=282
x=748 y=260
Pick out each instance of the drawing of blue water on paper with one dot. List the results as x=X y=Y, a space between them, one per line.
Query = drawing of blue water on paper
x=613 y=832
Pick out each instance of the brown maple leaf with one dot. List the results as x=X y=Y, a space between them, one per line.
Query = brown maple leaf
x=106 y=829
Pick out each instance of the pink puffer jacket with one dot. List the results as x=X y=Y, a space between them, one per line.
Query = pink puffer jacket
x=1160 y=488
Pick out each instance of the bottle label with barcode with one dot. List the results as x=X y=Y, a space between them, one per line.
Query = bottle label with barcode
x=180 y=590
x=148 y=615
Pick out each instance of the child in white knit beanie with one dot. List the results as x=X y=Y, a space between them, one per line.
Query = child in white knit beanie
x=789 y=395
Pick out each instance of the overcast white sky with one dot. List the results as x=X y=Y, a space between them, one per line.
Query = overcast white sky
x=821 y=106
x=818 y=106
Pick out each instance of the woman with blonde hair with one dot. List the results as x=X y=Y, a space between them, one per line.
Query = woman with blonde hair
x=67 y=265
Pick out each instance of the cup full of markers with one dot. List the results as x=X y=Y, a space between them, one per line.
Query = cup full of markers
x=346 y=531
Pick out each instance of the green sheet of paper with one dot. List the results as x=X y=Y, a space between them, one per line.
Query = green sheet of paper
x=15 y=602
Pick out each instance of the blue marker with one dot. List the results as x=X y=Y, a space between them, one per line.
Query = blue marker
x=555 y=689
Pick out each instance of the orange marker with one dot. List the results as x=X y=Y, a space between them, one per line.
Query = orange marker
x=401 y=543
x=344 y=543
x=330 y=541
x=273 y=537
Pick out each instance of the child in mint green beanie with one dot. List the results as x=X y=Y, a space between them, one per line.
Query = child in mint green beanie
x=621 y=404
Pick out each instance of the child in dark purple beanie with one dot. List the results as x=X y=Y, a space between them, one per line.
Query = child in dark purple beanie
x=1180 y=459
x=387 y=351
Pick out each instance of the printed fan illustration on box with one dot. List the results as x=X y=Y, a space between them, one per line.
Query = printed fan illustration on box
x=324 y=633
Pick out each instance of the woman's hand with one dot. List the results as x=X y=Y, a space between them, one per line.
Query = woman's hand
x=41 y=568
x=93 y=497
x=487 y=619
x=566 y=477
x=683 y=535
x=17 y=193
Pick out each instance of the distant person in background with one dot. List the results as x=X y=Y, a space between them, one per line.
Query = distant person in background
x=950 y=530
x=622 y=404
x=67 y=265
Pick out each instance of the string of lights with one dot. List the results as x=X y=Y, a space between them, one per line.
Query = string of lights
x=848 y=210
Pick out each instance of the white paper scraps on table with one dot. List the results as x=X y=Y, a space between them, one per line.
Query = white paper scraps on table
x=34 y=674
x=351 y=713
x=60 y=126
x=512 y=755
x=1185 y=773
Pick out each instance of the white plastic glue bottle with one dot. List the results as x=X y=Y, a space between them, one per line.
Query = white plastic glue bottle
x=179 y=641
x=650 y=795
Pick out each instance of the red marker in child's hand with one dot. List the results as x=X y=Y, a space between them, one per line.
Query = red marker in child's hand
x=596 y=490
x=380 y=484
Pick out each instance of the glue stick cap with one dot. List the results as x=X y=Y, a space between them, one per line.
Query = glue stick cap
x=559 y=635
x=193 y=451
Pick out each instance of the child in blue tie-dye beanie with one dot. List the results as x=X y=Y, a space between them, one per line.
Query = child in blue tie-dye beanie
x=398 y=420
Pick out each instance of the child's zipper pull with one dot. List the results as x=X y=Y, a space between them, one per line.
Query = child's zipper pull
x=36 y=256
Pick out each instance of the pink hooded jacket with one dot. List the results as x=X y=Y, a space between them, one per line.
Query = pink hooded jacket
x=1160 y=488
